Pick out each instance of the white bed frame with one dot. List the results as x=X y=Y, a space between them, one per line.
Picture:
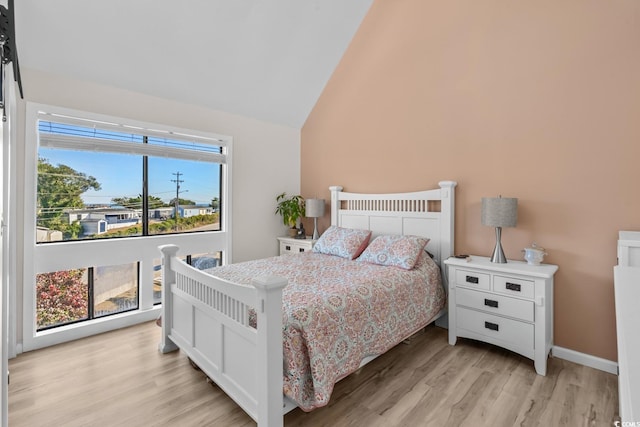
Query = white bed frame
x=207 y=318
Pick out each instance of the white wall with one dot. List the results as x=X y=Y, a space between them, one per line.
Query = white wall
x=266 y=157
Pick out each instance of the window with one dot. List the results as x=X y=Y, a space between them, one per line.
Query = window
x=95 y=183
x=64 y=297
x=106 y=193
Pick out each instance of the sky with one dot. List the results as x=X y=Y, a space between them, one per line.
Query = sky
x=120 y=175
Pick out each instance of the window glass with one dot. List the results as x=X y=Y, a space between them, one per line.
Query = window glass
x=79 y=191
x=205 y=261
x=115 y=289
x=157 y=281
x=196 y=188
x=61 y=297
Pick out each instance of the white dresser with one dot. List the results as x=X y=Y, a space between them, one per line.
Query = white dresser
x=509 y=305
x=626 y=278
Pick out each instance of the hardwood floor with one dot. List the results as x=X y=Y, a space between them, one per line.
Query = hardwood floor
x=120 y=379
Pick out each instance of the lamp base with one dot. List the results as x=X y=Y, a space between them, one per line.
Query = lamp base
x=498 y=253
x=315 y=229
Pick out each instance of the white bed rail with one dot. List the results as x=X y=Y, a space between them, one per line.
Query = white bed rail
x=208 y=319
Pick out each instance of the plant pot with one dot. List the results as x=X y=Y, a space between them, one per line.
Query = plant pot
x=292 y=232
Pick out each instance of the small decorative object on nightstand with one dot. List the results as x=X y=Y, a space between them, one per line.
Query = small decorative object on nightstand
x=499 y=212
x=509 y=305
x=534 y=255
x=292 y=245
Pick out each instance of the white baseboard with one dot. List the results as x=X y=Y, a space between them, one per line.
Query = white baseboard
x=585 y=359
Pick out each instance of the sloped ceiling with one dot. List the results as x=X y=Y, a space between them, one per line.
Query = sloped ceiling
x=265 y=59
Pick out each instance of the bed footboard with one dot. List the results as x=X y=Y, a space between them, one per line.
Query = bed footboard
x=208 y=319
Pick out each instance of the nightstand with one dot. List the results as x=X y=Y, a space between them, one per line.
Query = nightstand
x=509 y=305
x=291 y=245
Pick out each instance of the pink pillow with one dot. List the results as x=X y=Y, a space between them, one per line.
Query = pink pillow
x=343 y=242
x=398 y=251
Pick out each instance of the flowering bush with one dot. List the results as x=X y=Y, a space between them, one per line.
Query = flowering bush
x=62 y=297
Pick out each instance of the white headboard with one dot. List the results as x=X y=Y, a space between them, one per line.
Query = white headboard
x=428 y=213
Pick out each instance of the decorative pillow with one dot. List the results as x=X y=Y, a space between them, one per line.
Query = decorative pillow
x=343 y=242
x=398 y=251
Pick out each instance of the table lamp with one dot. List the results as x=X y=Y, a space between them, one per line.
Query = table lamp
x=499 y=212
x=314 y=209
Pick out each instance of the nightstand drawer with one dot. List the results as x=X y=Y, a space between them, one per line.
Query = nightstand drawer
x=289 y=248
x=513 y=332
x=512 y=286
x=290 y=245
x=473 y=279
x=497 y=304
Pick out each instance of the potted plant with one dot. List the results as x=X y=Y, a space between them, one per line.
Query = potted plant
x=290 y=208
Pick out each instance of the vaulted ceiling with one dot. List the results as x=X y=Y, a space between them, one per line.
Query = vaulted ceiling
x=265 y=59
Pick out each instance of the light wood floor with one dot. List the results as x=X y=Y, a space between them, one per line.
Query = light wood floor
x=120 y=379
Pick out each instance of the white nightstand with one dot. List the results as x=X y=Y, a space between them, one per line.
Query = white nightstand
x=509 y=305
x=290 y=245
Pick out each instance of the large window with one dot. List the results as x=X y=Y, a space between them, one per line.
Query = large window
x=107 y=193
x=103 y=184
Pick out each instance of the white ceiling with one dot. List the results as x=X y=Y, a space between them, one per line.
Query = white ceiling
x=266 y=59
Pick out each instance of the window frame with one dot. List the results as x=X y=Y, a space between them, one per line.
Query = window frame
x=66 y=255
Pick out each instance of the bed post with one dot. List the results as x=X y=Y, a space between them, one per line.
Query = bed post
x=168 y=279
x=447 y=235
x=447 y=211
x=269 y=351
x=335 y=203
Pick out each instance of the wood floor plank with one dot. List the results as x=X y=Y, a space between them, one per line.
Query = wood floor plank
x=120 y=379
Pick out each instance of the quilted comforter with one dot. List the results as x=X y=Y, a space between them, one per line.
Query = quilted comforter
x=337 y=312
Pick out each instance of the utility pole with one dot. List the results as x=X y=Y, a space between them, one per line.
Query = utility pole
x=177 y=203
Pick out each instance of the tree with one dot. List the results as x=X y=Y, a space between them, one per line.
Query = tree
x=215 y=203
x=136 y=202
x=60 y=188
x=61 y=297
x=182 y=202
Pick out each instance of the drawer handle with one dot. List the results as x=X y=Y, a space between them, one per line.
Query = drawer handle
x=492 y=326
x=472 y=279
x=288 y=248
x=513 y=287
x=301 y=249
x=491 y=303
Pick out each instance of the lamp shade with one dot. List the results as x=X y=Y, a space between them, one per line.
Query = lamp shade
x=314 y=208
x=499 y=211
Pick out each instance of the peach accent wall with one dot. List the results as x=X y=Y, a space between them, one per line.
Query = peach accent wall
x=538 y=100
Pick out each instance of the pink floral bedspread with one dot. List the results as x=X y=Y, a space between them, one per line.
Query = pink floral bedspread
x=337 y=312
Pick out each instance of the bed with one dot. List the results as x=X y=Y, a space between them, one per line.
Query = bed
x=245 y=330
